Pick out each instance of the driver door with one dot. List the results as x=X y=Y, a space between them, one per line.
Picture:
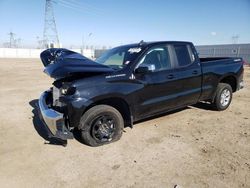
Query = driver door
x=159 y=91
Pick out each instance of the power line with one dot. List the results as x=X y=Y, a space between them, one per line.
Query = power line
x=86 y=5
x=78 y=7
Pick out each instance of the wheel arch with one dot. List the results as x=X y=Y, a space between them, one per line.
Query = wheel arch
x=119 y=104
x=231 y=80
x=227 y=79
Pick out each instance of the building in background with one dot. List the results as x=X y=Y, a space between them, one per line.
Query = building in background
x=226 y=50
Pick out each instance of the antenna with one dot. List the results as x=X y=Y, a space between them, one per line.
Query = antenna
x=141 y=43
x=50 y=35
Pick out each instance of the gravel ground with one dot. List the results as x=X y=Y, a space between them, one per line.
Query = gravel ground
x=193 y=147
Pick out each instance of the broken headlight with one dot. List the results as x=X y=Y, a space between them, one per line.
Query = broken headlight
x=67 y=90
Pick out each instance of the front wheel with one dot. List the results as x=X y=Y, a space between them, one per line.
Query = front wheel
x=223 y=96
x=101 y=124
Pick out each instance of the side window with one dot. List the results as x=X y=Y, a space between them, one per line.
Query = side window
x=157 y=57
x=184 y=54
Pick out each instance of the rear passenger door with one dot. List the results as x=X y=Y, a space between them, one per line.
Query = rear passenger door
x=188 y=74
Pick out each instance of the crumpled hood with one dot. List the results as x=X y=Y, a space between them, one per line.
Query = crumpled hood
x=61 y=63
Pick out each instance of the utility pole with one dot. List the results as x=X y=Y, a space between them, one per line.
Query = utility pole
x=235 y=39
x=50 y=35
x=18 y=42
x=84 y=39
x=39 y=42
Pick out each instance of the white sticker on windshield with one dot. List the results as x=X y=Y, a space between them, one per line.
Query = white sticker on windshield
x=134 y=50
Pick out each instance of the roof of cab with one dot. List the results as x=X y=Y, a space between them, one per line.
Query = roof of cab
x=153 y=43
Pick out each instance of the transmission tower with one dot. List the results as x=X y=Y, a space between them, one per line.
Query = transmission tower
x=50 y=36
x=11 y=40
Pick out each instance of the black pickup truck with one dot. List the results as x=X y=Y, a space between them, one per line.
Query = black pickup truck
x=130 y=83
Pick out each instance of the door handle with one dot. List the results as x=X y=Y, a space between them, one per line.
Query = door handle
x=171 y=76
x=195 y=72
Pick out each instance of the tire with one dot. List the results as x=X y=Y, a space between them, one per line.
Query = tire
x=101 y=124
x=223 y=96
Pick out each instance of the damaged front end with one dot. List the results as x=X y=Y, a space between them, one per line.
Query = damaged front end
x=64 y=66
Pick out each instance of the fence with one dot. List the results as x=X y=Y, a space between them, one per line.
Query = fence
x=35 y=53
x=19 y=53
x=229 y=50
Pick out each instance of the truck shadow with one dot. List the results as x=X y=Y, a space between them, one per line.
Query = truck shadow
x=200 y=105
x=162 y=115
x=204 y=106
x=41 y=128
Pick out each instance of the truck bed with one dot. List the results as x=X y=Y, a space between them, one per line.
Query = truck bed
x=207 y=59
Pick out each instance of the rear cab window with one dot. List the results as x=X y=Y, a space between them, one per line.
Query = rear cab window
x=184 y=54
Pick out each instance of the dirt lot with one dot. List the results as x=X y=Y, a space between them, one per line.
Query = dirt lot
x=194 y=147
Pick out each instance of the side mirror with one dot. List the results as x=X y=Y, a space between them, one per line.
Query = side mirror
x=145 y=69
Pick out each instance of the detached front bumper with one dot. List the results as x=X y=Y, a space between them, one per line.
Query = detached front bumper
x=53 y=119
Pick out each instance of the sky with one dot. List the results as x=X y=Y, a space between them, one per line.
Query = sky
x=115 y=22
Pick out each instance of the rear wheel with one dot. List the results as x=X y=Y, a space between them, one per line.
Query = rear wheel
x=101 y=124
x=223 y=96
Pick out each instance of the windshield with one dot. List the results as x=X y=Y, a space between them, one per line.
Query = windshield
x=119 y=57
